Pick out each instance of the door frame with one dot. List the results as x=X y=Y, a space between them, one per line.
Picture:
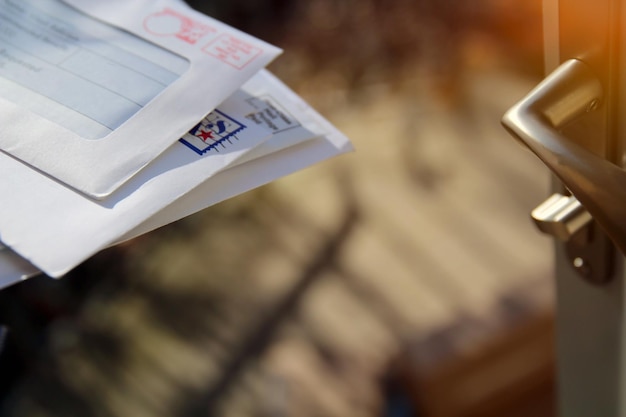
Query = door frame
x=590 y=319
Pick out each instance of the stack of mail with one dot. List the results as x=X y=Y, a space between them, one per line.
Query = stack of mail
x=119 y=117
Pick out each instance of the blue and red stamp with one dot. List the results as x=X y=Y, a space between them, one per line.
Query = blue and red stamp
x=213 y=133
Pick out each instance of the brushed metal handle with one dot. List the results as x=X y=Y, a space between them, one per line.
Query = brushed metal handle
x=561 y=216
x=600 y=186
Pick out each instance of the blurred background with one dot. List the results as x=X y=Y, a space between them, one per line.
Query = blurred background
x=404 y=279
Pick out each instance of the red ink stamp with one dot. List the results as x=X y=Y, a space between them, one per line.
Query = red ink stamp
x=233 y=51
x=171 y=23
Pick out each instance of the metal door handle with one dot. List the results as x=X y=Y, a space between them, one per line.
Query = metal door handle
x=599 y=185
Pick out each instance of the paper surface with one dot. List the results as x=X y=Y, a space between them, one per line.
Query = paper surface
x=56 y=227
x=13 y=268
x=64 y=228
x=103 y=84
x=91 y=92
x=94 y=95
x=240 y=179
x=302 y=137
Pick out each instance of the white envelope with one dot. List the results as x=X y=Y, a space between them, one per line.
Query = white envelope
x=222 y=186
x=92 y=91
x=306 y=140
x=244 y=177
x=13 y=268
x=56 y=228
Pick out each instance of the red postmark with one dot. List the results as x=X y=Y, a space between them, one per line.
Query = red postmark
x=172 y=23
x=233 y=51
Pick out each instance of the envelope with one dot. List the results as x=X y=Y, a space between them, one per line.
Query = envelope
x=265 y=168
x=13 y=268
x=91 y=92
x=307 y=140
x=56 y=228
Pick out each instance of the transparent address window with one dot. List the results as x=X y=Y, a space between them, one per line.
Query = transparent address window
x=76 y=71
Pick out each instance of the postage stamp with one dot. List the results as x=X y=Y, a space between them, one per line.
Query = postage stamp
x=233 y=51
x=213 y=133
